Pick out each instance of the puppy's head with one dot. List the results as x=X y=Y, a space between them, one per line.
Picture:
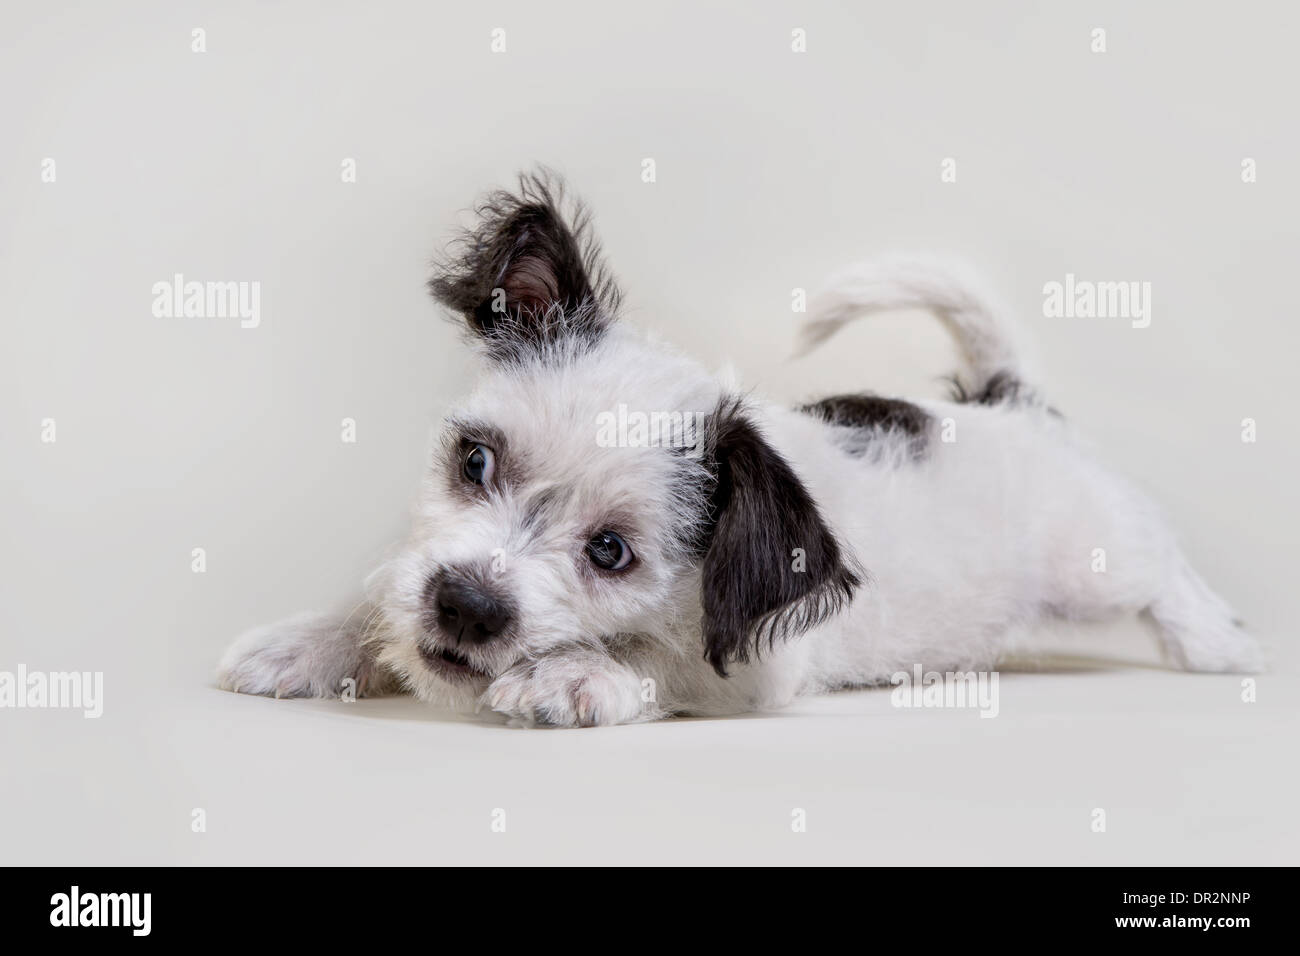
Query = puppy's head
x=594 y=487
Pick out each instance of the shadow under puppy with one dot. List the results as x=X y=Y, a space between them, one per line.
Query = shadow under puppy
x=566 y=573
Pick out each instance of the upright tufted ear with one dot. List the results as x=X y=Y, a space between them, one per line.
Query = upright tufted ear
x=773 y=569
x=528 y=275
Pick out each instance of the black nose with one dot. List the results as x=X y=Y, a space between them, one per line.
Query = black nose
x=467 y=612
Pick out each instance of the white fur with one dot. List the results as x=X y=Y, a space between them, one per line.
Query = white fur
x=985 y=535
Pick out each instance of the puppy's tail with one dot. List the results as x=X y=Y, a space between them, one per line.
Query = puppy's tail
x=995 y=368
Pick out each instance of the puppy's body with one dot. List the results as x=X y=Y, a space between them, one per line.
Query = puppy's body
x=790 y=551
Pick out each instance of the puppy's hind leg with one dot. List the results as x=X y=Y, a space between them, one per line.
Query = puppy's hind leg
x=1198 y=628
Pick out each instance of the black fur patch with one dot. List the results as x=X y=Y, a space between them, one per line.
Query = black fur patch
x=875 y=413
x=755 y=589
x=528 y=275
x=1001 y=388
x=870 y=411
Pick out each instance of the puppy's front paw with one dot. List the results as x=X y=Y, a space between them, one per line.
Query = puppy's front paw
x=580 y=690
x=307 y=656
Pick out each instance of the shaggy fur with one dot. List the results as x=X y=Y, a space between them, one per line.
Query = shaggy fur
x=798 y=551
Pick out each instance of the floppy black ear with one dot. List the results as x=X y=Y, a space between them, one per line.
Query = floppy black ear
x=773 y=568
x=527 y=274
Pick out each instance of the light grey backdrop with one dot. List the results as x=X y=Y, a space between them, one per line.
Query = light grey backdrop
x=773 y=169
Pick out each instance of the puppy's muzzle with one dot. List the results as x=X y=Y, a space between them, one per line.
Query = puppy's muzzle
x=466 y=611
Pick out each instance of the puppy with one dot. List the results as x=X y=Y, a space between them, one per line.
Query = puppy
x=566 y=572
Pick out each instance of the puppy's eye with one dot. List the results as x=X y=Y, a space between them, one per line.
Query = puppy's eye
x=607 y=550
x=479 y=465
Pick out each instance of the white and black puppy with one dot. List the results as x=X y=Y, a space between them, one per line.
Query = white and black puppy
x=566 y=574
